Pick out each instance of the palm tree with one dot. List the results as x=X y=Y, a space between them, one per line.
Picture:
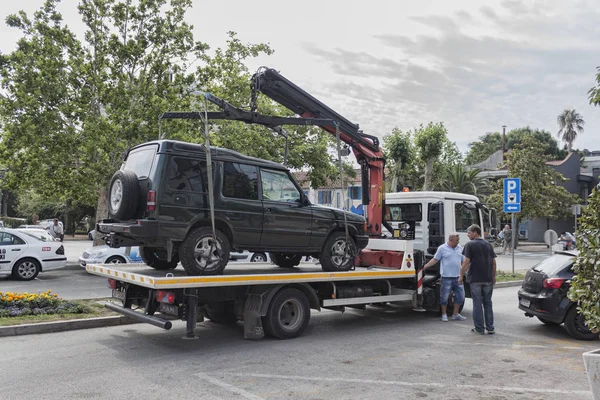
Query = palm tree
x=461 y=180
x=571 y=124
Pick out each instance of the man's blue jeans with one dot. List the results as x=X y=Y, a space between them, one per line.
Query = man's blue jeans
x=483 y=315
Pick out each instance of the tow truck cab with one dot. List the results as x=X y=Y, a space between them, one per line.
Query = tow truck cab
x=437 y=214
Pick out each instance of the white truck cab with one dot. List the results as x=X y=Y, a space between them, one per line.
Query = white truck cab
x=437 y=214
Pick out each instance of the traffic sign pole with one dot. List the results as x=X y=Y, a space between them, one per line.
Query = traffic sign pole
x=513 y=241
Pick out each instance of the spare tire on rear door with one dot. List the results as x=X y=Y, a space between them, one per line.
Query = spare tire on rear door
x=123 y=195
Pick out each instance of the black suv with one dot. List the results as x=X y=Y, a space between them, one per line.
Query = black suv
x=158 y=200
x=544 y=295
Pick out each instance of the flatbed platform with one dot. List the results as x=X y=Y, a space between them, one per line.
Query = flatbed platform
x=238 y=274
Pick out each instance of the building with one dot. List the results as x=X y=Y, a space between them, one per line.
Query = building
x=582 y=174
x=332 y=194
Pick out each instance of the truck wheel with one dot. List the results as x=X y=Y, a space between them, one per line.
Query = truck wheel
x=221 y=313
x=157 y=258
x=575 y=326
x=285 y=260
x=338 y=254
x=288 y=314
x=123 y=194
x=195 y=249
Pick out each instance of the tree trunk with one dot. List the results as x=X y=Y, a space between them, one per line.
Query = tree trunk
x=394 y=186
x=428 y=172
x=101 y=212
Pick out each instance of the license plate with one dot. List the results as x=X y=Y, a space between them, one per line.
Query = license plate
x=525 y=302
x=118 y=294
x=169 y=309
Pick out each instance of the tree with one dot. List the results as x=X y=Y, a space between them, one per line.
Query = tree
x=542 y=196
x=427 y=141
x=585 y=286
x=460 y=180
x=594 y=93
x=570 y=124
x=399 y=152
x=485 y=146
x=69 y=109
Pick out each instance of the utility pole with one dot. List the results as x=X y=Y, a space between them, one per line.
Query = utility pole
x=503 y=141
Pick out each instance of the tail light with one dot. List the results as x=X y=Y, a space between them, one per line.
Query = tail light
x=165 y=297
x=553 y=283
x=60 y=250
x=112 y=283
x=151 y=200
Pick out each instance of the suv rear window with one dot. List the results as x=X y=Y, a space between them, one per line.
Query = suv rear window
x=187 y=174
x=140 y=161
x=553 y=265
x=240 y=181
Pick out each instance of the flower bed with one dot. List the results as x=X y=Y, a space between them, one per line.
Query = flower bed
x=22 y=304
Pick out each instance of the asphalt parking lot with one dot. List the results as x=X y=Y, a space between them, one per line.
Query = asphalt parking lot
x=380 y=353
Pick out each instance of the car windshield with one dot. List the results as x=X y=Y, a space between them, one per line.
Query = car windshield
x=554 y=264
x=38 y=236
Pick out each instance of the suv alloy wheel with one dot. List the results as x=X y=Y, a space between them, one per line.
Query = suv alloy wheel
x=338 y=253
x=195 y=252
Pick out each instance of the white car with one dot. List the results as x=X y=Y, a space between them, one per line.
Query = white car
x=41 y=234
x=108 y=255
x=24 y=255
x=257 y=256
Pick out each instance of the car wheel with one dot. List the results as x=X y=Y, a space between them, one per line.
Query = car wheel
x=196 y=255
x=338 y=253
x=123 y=194
x=549 y=323
x=258 y=257
x=157 y=258
x=26 y=269
x=115 y=260
x=285 y=260
x=221 y=313
x=288 y=314
x=575 y=326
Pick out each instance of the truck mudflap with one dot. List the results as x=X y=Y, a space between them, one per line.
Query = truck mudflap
x=149 y=319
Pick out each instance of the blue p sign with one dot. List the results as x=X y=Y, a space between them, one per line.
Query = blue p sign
x=512 y=195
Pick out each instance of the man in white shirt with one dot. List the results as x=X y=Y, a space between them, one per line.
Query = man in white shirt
x=56 y=230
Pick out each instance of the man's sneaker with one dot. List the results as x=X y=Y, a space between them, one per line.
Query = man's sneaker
x=458 y=317
x=491 y=332
x=444 y=318
x=477 y=332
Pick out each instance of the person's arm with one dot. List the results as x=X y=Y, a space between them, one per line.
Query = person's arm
x=494 y=269
x=431 y=263
x=464 y=268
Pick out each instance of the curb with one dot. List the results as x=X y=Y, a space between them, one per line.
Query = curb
x=508 y=284
x=62 y=326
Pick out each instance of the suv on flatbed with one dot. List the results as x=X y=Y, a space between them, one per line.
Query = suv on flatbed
x=158 y=200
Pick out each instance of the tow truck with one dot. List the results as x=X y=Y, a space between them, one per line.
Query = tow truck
x=273 y=300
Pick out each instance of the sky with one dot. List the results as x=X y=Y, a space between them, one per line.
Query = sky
x=475 y=65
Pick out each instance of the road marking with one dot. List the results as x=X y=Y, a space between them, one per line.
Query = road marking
x=410 y=384
x=227 y=386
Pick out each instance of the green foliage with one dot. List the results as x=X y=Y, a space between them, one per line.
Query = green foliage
x=488 y=144
x=70 y=108
x=12 y=222
x=585 y=286
x=594 y=93
x=570 y=124
x=427 y=141
x=400 y=153
x=542 y=196
x=461 y=180
x=31 y=202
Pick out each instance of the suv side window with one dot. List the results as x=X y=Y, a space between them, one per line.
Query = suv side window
x=140 y=161
x=187 y=174
x=277 y=186
x=240 y=181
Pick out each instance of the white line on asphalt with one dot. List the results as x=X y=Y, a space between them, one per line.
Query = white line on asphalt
x=231 y=388
x=399 y=383
x=487 y=344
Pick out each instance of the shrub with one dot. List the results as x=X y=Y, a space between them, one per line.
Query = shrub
x=585 y=286
x=21 y=304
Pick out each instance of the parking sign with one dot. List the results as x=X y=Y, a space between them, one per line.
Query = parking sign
x=512 y=195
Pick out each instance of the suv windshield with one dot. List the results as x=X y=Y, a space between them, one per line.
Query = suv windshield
x=140 y=161
x=552 y=265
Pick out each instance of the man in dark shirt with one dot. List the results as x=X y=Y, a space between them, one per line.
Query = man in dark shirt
x=480 y=266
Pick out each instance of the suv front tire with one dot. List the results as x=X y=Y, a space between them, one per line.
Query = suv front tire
x=338 y=253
